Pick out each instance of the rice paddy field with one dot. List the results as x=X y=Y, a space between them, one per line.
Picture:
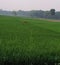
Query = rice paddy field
x=27 y=41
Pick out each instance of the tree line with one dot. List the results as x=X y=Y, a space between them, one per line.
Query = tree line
x=51 y=14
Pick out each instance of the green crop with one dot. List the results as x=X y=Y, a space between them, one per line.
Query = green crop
x=29 y=41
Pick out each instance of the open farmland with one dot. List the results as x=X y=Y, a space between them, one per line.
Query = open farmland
x=25 y=41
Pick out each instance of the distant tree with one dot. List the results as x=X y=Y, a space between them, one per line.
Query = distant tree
x=52 y=11
x=14 y=13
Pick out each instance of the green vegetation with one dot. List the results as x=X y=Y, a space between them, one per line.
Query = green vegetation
x=29 y=41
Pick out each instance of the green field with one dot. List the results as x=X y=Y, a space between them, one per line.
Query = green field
x=27 y=41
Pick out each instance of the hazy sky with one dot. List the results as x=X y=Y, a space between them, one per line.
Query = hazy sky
x=29 y=4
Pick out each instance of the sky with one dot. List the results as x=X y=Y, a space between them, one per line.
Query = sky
x=30 y=4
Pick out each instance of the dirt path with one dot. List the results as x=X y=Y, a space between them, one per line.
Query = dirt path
x=53 y=20
x=50 y=20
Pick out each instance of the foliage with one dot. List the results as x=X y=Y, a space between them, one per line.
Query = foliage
x=14 y=13
x=29 y=41
x=52 y=11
